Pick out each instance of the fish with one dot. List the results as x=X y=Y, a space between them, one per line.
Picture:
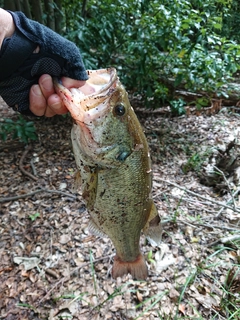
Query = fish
x=114 y=168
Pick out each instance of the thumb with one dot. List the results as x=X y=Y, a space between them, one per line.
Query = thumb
x=72 y=83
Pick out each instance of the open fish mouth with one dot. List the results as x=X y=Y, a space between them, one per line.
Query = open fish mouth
x=99 y=82
x=91 y=100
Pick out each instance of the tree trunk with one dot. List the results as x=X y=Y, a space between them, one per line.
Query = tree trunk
x=26 y=8
x=18 y=5
x=49 y=9
x=228 y=98
x=58 y=16
x=230 y=92
x=9 y=5
x=37 y=10
x=84 y=8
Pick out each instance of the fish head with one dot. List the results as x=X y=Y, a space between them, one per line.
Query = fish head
x=102 y=114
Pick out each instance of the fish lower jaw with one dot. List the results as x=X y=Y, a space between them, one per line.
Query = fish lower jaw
x=93 y=113
x=137 y=268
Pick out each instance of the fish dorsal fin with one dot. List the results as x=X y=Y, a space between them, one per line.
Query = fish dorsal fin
x=153 y=227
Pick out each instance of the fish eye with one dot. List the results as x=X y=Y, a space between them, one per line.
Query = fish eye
x=119 y=109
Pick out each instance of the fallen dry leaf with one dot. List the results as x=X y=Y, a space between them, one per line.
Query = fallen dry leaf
x=29 y=263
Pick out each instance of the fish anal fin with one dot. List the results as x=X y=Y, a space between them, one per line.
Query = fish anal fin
x=153 y=227
x=137 y=268
x=94 y=229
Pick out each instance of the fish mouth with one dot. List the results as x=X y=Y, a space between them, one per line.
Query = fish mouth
x=90 y=101
x=99 y=82
x=98 y=88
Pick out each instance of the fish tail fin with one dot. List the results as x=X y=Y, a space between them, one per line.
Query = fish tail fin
x=137 y=268
x=153 y=227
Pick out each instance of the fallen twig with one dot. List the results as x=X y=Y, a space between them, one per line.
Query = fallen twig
x=229 y=188
x=232 y=196
x=211 y=226
x=225 y=240
x=33 y=168
x=26 y=195
x=197 y=195
x=28 y=148
x=191 y=201
x=61 y=193
x=22 y=196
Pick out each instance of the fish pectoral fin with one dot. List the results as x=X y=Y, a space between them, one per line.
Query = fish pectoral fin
x=95 y=230
x=90 y=189
x=153 y=227
x=77 y=182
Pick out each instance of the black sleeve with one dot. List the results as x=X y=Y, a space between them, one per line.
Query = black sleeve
x=20 y=68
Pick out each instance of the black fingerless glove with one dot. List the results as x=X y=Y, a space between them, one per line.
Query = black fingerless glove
x=20 y=68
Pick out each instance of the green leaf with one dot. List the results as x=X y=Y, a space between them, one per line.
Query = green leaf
x=34 y=216
x=21 y=128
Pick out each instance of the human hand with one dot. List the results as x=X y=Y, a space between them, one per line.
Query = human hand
x=44 y=100
x=28 y=59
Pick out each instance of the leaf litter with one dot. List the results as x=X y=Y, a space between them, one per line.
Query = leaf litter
x=53 y=268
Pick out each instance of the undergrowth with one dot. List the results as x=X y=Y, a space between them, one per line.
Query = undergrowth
x=21 y=129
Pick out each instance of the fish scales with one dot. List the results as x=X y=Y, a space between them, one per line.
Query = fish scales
x=120 y=221
x=112 y=156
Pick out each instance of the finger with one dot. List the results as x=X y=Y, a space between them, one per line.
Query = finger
x=56 y=105
x=71 y=83
x=49 y=112
x=37 y=101
x=46 y=84
x=7 y=25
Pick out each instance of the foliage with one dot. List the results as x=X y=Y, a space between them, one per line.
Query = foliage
x=150 y=257
x=231 y=21
x=151 y=42
x=194 y=44
x=21 y=128
x=177 y=107
x=201 y=102
x=34 y=216
x=46 y=12
x=195 y=161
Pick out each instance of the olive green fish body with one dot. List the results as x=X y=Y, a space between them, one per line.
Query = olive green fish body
x=112 y=156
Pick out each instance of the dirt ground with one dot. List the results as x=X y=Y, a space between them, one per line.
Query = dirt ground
x=51 y=267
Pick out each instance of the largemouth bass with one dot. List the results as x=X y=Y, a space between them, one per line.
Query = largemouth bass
x=113 y=160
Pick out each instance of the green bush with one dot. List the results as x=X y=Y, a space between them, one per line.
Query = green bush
x=21 y=128
x=178 y=107
x=150 y=42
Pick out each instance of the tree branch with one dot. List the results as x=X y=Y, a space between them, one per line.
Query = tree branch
x=197 y=195
x=22 y=196
x=28 y=148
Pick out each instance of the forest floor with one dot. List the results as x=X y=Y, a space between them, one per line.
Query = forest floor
x=52 y=268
